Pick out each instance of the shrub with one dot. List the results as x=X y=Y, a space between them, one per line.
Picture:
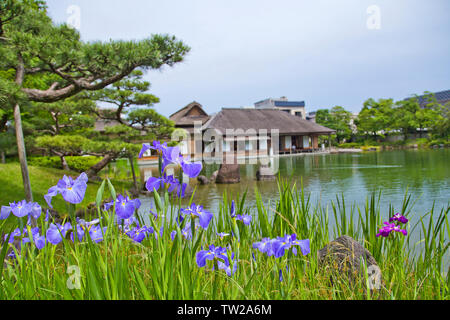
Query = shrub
x=78 y=164
x=350 y=145
x=439 y=142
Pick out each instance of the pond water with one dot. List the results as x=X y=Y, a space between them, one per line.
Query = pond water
x=423 y=173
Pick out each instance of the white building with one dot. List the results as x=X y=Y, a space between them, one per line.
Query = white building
x=296 y=108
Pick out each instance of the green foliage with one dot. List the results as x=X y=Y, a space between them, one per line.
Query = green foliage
x=338 y=119
x=375 y=116
x=78 y=164
x=439 y=142
x=441 y=124
x=132 y=107
x=350 y=145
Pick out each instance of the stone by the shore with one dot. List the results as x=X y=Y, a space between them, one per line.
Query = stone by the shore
x=265 y=173
x=228 y=173
x=346 y=256
x=203 y=180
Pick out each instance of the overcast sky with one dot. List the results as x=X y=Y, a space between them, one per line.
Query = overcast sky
x=325 y=52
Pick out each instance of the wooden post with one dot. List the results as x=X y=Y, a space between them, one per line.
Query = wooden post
x=329 y=141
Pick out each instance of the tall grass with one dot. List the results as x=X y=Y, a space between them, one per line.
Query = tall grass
x=159 y=268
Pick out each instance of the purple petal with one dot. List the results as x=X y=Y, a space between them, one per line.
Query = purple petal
x=5 y=212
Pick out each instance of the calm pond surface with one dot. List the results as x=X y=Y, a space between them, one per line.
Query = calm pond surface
x=424 y=173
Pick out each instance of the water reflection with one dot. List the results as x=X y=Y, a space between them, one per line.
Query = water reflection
x=425 y=173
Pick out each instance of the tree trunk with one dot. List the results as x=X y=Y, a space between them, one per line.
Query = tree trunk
x=20 y=72
x=64 y=164
x=133 y=173
x=96 y=168
x=3 y=157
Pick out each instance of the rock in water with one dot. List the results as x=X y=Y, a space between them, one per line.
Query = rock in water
x=214 y=176
x=265 y=173
x=203 y=180
x=346 y=256
x=229 y=173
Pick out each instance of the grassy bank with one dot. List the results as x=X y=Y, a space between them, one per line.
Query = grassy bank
x=164 y=268
x=42 y=178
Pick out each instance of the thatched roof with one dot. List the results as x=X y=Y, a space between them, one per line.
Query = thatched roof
x=186 y=116
x=267 y=119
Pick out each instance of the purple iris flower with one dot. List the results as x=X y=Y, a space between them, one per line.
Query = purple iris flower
x=196 y=211
x=21 y=209
x=171 y=155
x=126 y=223
x=86 y=225
x=186 y=232
x=398 y=217
x=289 y=241
x=83 y=227
x=277 y=247
x=38 y=240
x=246 y=219
x=56 y=232
x=15 y=233
x=96 y=233
x=156 y=145
x=169 y=182
x=212 y=253
x=222 y=235
x=125 y=207
x=265 y=246
x=388 y=228
x=233 y=209
x=80 y=233
x=139 y=234
x=71 y=190
x=227 y=266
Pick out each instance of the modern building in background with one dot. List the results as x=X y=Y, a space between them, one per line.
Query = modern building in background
x=295 y=108
x=441 y=97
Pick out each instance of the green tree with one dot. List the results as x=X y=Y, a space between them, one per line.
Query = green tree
x=30 y=44
x=338 y=119
x=67 y=118
x=441 y=124
x=405 y=116
x=341 y=119
x=132 y=119
x=132 y=106
x=375 y=118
